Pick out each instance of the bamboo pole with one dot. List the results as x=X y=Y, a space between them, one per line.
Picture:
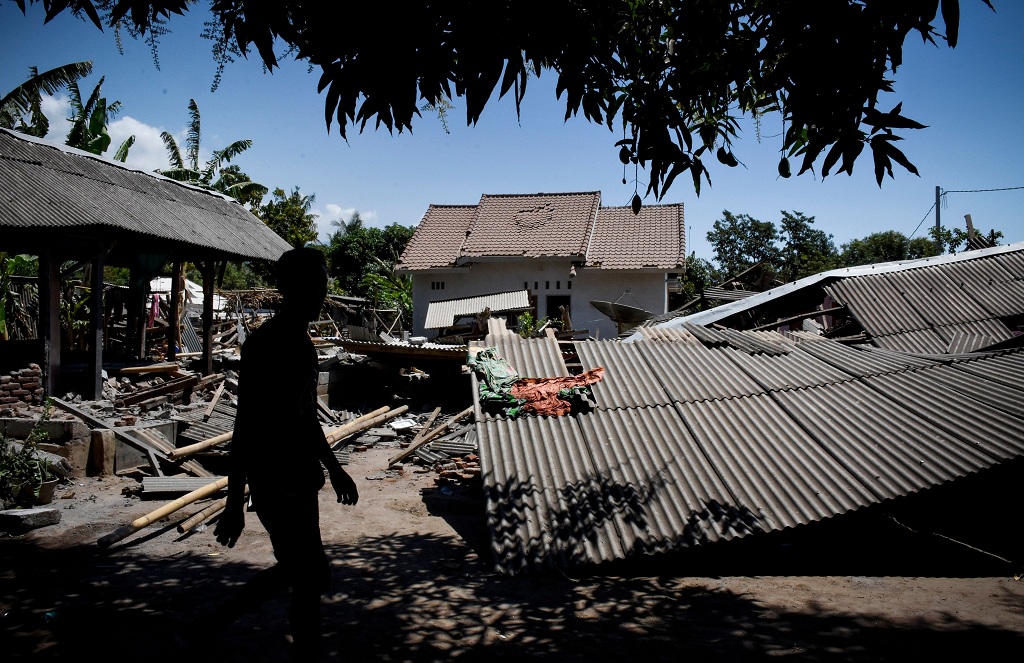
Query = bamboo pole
x=408 y=451
x=181 y=452
x=167 y=509
x=362 y=423
x=195 y=519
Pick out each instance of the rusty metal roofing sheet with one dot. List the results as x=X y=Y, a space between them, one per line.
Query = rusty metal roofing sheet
x=740 y=451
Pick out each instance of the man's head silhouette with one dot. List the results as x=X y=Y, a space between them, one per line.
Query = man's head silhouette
x=302 y=281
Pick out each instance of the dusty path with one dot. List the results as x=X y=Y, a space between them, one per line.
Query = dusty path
x=413 y=583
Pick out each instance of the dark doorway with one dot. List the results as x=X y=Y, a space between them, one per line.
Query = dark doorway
x=554 y=302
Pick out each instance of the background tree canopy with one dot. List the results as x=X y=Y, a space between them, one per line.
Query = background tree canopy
x=674 y=77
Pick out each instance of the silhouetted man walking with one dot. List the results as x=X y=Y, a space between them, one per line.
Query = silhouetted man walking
x=280 y=451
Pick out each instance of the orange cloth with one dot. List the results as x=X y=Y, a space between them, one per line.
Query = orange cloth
x=541 y=394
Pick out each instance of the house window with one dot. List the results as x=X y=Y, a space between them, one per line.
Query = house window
x=558 y=285
x=526 y=286
x=437 y=285
x=547 y=285
x=536 y=286
x=568 y=285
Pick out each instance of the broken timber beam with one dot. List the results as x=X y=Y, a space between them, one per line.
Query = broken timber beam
x=95 y=422
x=408 y=451
x=169 y=387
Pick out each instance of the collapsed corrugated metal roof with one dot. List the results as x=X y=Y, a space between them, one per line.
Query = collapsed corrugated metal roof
x=50 y=188
x=444 y=313
x=706 y=435
x=942 y=304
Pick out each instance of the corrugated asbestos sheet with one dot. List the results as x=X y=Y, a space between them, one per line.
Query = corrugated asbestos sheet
x=46 y=185
x=445 y=313
x=950 y=307
x=703 y=435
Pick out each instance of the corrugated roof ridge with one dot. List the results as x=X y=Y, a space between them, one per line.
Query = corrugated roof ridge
x=488 y=294
x=67 y=149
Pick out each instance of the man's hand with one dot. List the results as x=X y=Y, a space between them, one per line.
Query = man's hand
x=230 y=524
x=344 y=487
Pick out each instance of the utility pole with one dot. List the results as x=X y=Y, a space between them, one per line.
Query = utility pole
x=938 y=225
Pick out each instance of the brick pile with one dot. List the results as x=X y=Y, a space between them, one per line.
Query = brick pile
x=22 y=386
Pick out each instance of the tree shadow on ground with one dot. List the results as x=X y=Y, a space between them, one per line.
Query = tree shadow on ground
x=432 y=598
x=417 y=597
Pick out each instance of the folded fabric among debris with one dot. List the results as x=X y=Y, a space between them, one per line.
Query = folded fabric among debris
x=502 y=388
x=555 y=397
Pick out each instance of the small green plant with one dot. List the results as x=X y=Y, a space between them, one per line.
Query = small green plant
x=528 y=326
x=22 y=467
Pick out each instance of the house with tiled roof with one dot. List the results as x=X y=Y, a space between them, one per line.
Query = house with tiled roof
x=566 y=249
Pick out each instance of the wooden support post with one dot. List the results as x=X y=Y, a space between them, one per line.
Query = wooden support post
x=49 y=317
x=95 y=367
x=175 y=309
x=209 y=269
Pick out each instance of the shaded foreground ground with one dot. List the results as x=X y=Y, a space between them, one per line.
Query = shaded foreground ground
x=413 y=582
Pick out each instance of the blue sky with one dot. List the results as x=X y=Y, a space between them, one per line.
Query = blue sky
x=970 y=97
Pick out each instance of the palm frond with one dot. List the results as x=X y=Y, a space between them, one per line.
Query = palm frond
x=245 y=190
x=122 y=152
x=173 y=153
x=19 y=100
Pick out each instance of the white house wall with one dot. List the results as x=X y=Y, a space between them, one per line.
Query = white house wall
x=543 y=278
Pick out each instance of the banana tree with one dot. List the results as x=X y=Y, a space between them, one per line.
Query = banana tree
x=11 y=311
x=213 y=174
x=89 y=121
x=21 y=108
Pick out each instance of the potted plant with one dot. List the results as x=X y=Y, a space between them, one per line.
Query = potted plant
x=25 y=472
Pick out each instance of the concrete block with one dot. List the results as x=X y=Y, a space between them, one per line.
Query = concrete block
x=17 y=521
x=102 y=453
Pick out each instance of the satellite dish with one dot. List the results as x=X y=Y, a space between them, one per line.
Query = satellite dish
x=625 y=316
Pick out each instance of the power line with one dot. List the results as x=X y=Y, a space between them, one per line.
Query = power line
x=1009 y=188
x=943 y=197
x=926 y=215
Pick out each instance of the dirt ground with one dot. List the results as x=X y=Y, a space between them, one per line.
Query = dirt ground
x=413 y=582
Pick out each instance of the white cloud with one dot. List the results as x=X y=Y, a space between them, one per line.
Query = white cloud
x=326 y=217
x=147 y=153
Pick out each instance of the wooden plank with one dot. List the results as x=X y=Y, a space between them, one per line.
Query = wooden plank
x=167 y=367
x=437 y=432
x=137 y=443
x=170 y=387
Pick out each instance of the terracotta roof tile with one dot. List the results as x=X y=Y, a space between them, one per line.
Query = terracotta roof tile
x=653 y=238
x=549 y=224
x=544 y=224
x=438 y=238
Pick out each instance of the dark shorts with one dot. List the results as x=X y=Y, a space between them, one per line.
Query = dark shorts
x=293 y=523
